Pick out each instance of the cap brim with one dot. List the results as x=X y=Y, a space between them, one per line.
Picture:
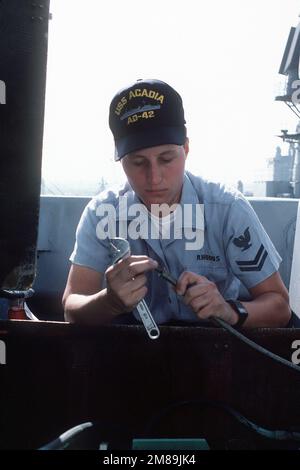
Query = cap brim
x=149 y=138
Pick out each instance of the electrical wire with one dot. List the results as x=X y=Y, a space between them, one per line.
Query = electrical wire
x=219 y=322
x=252 y=344
x=280 y=435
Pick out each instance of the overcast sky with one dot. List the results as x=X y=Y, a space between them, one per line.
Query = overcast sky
x=221 y=56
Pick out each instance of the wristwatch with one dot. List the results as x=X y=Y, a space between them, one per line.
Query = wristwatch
x=240 y=310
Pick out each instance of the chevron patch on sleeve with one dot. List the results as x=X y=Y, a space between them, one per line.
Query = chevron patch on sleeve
x=255 y=264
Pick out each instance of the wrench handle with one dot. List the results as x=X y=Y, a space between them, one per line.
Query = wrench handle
x=147 y=319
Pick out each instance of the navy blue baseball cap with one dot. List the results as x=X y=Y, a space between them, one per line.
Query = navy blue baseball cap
x=145 y=114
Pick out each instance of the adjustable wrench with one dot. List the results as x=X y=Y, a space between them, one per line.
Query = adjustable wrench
x=119 y=249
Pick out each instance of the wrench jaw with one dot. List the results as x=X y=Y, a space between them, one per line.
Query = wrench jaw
x=119 y=249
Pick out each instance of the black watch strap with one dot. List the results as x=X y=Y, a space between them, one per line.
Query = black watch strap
x=240 y=310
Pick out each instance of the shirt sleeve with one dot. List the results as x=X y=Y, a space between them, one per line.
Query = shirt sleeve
x=89 y=250
x=249 y=250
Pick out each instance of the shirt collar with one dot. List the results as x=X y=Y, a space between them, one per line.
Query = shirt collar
x=127 y=197
x=189 y=197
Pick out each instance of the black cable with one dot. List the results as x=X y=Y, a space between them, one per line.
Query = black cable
x=282 y=435
x=219 y=322
x=252 y=344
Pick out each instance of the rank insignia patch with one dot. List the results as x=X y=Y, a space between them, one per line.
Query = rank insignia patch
x=243 y=241
x=255 y=264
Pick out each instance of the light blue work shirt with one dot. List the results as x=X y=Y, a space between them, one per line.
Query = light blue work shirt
x=236 y=247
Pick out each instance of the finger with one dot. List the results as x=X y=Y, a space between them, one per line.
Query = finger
x=126 y=270
x=196 y=290
x=205 y=312
x=136 y=283
x=198 y=303
x=122 y=289
x=140 y=267
x=135 y=297
x=133 y=258
x=119 y=266
x=187 y=278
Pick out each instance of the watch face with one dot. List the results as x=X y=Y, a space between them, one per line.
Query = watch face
x=243 y=314
x=240 y=310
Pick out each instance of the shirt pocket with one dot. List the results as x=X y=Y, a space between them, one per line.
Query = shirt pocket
x=217 y=274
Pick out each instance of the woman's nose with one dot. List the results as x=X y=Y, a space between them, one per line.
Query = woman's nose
x=155 y=175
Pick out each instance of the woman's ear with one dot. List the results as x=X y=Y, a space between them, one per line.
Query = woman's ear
x=186 y=146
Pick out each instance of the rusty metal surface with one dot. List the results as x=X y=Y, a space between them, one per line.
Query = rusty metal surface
x=58 y=375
